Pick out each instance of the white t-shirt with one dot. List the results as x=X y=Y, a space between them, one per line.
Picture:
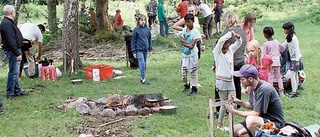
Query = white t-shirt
x=204 y=9
x=31 y=32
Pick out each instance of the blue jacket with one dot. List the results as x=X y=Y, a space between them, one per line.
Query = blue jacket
x=141 y=40
x=11 y=36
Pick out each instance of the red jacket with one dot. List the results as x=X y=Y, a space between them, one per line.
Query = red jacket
x=118 y=22
x=182 y=8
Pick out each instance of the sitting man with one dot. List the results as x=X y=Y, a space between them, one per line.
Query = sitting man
x=264 y=104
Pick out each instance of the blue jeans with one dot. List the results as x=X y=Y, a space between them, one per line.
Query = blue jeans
x=165 y=24
x=12 y=82
x=142 y=59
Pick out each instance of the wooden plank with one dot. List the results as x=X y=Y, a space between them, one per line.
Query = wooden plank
x=211 y=115
x=222 y=102
x=231 y=121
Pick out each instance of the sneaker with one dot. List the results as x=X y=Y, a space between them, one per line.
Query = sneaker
x=203 y=47
x=293 y=95
x=22 y=93
x=144 y=82
x=281 y=94
x=1 y=110
x=224 y=128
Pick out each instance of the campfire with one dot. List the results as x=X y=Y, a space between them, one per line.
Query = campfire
x=116 y=105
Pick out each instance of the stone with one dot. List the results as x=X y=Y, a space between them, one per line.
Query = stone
x=131 y=110
x=102 y=101
x=108 y=113
x=144 y=111
x=120 y=112
x=83 y=108
x=92 y=104
x=94 y=111
x=155 y=109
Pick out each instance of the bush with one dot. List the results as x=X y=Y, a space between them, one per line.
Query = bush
x=105 y=36
x=314 y=14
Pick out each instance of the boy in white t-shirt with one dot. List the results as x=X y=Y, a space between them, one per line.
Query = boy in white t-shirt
x=208 y=18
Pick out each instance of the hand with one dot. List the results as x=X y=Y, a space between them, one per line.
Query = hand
x=38 y=58
x=213 y=68
x=297 y=64
x=235 y=35
x=150 y=53
x=135 y=56
x=235 y=99
x=229 y=107
x=19 y=58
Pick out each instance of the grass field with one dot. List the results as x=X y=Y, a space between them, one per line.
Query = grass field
x=34 y=115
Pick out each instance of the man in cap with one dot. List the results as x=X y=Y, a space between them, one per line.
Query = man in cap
x=264 y=103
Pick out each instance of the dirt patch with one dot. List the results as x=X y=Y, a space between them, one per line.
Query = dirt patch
x=104 y=127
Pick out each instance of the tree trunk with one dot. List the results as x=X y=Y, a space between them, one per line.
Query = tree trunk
x=102 y=15
x=17 y=4
x=52 y=16
x=70 y=35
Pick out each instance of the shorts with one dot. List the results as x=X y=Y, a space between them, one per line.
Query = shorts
x=217 y=15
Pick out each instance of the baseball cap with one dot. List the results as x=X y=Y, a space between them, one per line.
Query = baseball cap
x=247 y=71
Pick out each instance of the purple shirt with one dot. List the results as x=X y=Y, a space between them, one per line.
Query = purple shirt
x=272 y=48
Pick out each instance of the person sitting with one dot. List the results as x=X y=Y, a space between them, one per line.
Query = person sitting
x=263 y=102
x=155 y=29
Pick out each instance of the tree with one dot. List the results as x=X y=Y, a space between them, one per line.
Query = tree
x=17 y=4
x=52 y=16
x=70 y=35
x=102 y=15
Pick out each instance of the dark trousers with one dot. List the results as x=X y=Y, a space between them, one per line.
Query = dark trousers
x=237 y=82
x=207 y=26
x=151 y=20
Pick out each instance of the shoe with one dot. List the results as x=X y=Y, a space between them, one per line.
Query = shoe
x=224 y=128
x=32 y=77
x=1 y=110
x=22 y=93
x=186 y=87
x=203 y=47
x=144 y=82
x=293 y=95
x=193 y=92
x=216 y=115
x=281 y=94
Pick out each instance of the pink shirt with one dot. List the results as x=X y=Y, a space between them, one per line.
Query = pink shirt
x=249 y=34
x=263 y=68
x=272 y=48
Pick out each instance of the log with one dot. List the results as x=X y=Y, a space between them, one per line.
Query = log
x=112 y=122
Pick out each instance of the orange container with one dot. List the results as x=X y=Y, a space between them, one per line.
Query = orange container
x=105 y=71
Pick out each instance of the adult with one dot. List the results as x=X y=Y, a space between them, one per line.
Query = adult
x=162 y=19
x=230 y=21
x=248 y=25
x=32 y=35
x=264 y=104
x=218 y=5
x=182 y=8
x=208 y=18
x=151 y=12
x=84 y=19
x=12 y=41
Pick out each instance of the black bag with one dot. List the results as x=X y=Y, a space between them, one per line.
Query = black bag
x=302 y=131
x=26 y=45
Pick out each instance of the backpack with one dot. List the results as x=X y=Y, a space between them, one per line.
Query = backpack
x=302 y=132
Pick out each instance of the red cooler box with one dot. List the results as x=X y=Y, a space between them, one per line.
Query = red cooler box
x=48 y=73
x=105 y=71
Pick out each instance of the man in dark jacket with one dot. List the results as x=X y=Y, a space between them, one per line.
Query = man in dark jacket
x=12 y=41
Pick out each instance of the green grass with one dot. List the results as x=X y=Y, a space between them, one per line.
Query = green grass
x=34 y=115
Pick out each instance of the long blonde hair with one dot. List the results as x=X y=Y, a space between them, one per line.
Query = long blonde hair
x=230 y=19
x=255 y=44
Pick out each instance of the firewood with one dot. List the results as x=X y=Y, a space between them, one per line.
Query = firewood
x=112 y=122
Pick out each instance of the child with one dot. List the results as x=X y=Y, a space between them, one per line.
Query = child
x=141 y=45
x=223 y=67
x=292 y=43
x=118 y=22
x=155 y=29
x=248 y=25
x=136 y=16
x=272 y=48
x=256 y=58
x=189 y=62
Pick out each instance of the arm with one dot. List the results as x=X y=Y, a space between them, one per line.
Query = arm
x=187 y=44
x=40 y=51
x=134 y=41
x=221 y=41
x=11 y=39
x=295 y=44
x=178 y=25
x=238 y=42
x=150 y=41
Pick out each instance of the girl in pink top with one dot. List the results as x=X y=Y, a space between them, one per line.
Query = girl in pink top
x=272 y=48
x=247 y=26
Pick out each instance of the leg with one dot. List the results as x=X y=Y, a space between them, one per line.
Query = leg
x=161 y=28
x=205 y=27
x=24 y=60
x=149 y=21
x=223 y=96
x=217 y=98
x=271 y=76
x=167 y=27
x=254 y=123
x=279 y=78
x=31 y=64
x=12 y=87
x=210 y=25
x=142 y=65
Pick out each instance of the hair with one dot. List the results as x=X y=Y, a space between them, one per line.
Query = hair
x=189 y=16
x=289 y=26
x=91 y=9
x=8 y=9
x=118 y=10
x=41 y=27
x=155 y=21
x=268 y=31
x=249 y=17
x=230 y=18
x=254 y=43
x=141 y=16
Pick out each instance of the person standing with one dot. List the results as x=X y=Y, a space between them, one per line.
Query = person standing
x=272 y=48
x=223 y=60
x=189 y=62
x=151 y=12
x=118 y=22
x=218 y=5
x=32 y=34
x=263 y=103
x=12 y=41
x=248 y=25
x=292 y=44
x=162 y=19
x=141 y=44
x=208 y=20
x=182 y=8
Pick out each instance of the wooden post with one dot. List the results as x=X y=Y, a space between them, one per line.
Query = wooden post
x=127 y=56
x=211 y=114
x=231 y=121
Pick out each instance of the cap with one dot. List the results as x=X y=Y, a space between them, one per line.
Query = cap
x=247 y=71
